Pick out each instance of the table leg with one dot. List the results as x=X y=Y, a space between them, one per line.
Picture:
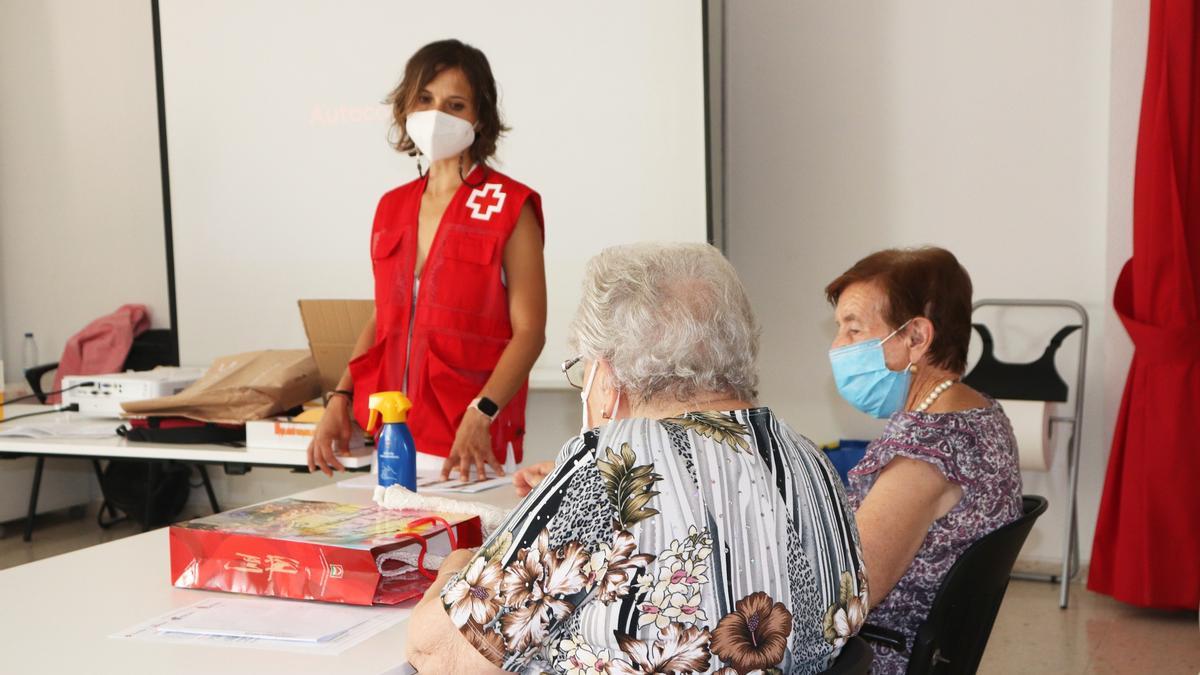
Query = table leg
x=33 y=497
x=151 y=483
x=212 y=497
x=104 y=506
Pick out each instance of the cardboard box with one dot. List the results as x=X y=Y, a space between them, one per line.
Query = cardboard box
x=311 y=550
x=333 y=327
x=293 y=433
x=285 y=433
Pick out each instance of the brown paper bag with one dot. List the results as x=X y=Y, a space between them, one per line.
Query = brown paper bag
x=249 y=386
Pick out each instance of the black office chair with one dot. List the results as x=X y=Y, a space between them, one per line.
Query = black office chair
x=856 y=659
x=954 y=635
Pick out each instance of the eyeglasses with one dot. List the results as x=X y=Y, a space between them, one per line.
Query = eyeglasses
x=573 y=369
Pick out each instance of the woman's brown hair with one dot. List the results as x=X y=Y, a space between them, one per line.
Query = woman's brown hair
x=926 y=282
x=425 y=65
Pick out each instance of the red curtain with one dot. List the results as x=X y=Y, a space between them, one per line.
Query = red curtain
x=1147 y=546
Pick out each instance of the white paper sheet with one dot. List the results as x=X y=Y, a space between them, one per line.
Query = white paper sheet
x=269 y=623
x=454 y=485
x=433 y=482
x=77 y=428
x=267 y=618
x=367 y=481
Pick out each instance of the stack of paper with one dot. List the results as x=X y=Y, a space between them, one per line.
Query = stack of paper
x=267 y=619
x=59 y=429
x=268 y=623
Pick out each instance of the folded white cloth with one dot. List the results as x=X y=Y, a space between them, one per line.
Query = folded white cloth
x=400 y=497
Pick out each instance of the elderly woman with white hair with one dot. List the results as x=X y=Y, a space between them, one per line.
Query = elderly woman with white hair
x=686 y=529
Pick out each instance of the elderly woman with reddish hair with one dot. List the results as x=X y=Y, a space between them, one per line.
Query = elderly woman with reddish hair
x=944 y=473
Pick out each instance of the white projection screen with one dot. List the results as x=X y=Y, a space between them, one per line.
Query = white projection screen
x=278 y=144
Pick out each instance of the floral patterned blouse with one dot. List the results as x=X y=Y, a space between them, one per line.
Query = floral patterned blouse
x=973 y=448
x=711 y=542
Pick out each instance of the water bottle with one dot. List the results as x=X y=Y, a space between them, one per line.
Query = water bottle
x=396 y=454
x=29 y=355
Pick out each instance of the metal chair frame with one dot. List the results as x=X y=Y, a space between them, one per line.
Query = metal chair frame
x=1070 y=555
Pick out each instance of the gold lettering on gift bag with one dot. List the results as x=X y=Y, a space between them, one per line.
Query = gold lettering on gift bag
x=282 y=565
x=248 y=563
x=252 y=564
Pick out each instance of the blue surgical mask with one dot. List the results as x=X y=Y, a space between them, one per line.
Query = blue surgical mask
x=864 y=379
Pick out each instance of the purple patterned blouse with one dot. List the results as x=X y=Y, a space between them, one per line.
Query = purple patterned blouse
x=973 y=448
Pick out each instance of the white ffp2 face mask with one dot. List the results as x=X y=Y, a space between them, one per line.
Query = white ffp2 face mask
x=438 y=135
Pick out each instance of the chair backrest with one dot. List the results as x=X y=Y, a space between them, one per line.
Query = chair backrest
x=1034 y=381
x=955 y=633
x=856 y=659
x=151 y=349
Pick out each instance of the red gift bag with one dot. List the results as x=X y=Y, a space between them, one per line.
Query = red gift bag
x=311 y=550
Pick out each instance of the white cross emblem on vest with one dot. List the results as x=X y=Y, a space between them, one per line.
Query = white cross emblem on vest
x=486 y=201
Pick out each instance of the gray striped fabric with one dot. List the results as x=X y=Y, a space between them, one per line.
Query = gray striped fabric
x=709 y=541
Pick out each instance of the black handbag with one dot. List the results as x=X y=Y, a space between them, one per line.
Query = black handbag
x=151 y=492
x=181 y=430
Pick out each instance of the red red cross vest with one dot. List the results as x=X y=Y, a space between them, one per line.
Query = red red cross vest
x=461 y=325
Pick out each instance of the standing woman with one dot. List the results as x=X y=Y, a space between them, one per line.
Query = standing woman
x=460 y=286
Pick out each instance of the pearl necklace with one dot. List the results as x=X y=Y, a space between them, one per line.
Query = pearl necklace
x=933 y=395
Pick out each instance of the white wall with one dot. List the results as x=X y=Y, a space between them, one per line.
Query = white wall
x=980 y=127
x=1130 y=19
x=80 y=199
x=81 y=228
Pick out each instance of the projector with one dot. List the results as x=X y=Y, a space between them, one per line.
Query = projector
x=104 y=396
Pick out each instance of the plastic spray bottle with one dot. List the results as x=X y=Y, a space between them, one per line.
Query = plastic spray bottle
x=396 y=453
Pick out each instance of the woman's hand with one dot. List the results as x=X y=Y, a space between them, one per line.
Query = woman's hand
x=472 y=447
x=528 y=478
x=454 y=562
x=331 y=438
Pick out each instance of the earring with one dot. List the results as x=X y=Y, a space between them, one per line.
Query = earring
x=420 y=171
x=912 y=368
x=464 y=178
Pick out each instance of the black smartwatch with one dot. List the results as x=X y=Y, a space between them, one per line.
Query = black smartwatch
x=486 y=406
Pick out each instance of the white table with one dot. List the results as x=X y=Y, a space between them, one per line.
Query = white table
x=59 y=612
x=117 y=447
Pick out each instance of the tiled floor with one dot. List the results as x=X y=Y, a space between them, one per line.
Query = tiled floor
x=57 y=533
x=1032 y=635
x=1096 y=634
